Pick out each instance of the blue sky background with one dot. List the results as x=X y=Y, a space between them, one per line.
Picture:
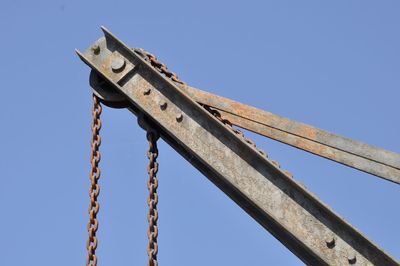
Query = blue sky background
x=332 y=64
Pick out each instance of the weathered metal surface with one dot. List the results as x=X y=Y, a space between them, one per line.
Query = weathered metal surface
x=376 y=161
x=310 y=229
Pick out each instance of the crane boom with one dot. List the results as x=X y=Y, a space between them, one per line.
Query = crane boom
x=361 y=156
x=296 y=217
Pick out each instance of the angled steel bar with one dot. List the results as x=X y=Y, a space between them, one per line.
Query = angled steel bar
x=310 y=229
x=361 y=156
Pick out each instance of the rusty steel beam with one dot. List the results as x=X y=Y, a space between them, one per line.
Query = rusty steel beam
x=297 y=218
x=361 y=156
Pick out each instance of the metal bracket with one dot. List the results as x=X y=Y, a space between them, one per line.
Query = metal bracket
x=297 y=218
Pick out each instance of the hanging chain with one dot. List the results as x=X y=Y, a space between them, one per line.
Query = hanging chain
x=94 y=191
x=152 y=184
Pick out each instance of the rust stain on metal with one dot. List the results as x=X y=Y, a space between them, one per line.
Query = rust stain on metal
x=376 y=161
x=295 y=216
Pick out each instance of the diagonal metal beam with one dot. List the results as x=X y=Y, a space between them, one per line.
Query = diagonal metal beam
x=309 y=228
x=361 y=156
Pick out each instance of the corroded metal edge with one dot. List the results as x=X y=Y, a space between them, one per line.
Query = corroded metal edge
x=292 y=214
x=360 y=156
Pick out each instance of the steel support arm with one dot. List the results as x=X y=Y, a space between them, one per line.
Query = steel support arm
x=310 y=229
x=361 y=156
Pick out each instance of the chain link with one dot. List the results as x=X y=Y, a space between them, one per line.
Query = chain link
x=160 y=67
x=240 y=134
x=152 y=184
x=94 y=191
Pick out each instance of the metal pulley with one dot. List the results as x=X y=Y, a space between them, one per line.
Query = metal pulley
x=105 y=92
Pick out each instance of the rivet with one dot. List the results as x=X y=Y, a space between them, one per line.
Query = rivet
x=118 y=64
x=276 y=164
x=96 y=49
x=147 y=91
x=289 y=174
x=163 y=105
x=179 y=118
x=330 y=241
x=263 y=153
x=352 y=258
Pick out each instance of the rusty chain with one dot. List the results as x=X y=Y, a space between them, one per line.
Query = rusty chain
x=160 y=67
x=152 y=184
x=94 y=191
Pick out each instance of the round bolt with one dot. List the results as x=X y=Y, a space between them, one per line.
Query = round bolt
x=276 y=163
x=289 y=174
x=118 y=64
x=147 y=91
x=330 y=241
x=96 y=49
x=263 y=153
x=352 y=258
x=179 y=118
x=163 y=105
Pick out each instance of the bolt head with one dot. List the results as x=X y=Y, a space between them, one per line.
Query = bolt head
x=163 y=105
x=179 y=118
x=263 y=153
x=276 y=163
x=352 y=259
x=330 y=241
x=146 y=91
x=118 y=64
x=96 y=49
x=289 y=174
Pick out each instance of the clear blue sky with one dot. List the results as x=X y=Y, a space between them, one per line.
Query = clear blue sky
x=332 y=64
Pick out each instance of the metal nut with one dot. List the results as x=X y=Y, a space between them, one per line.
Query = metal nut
x=147 y=91
x=276 y=163
x=118 y=64
x=263 y=153
x=330 y=241
x=163 y=105
x=289 y=174
x=179 y=118
x=96 y=49
x=352 y=258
